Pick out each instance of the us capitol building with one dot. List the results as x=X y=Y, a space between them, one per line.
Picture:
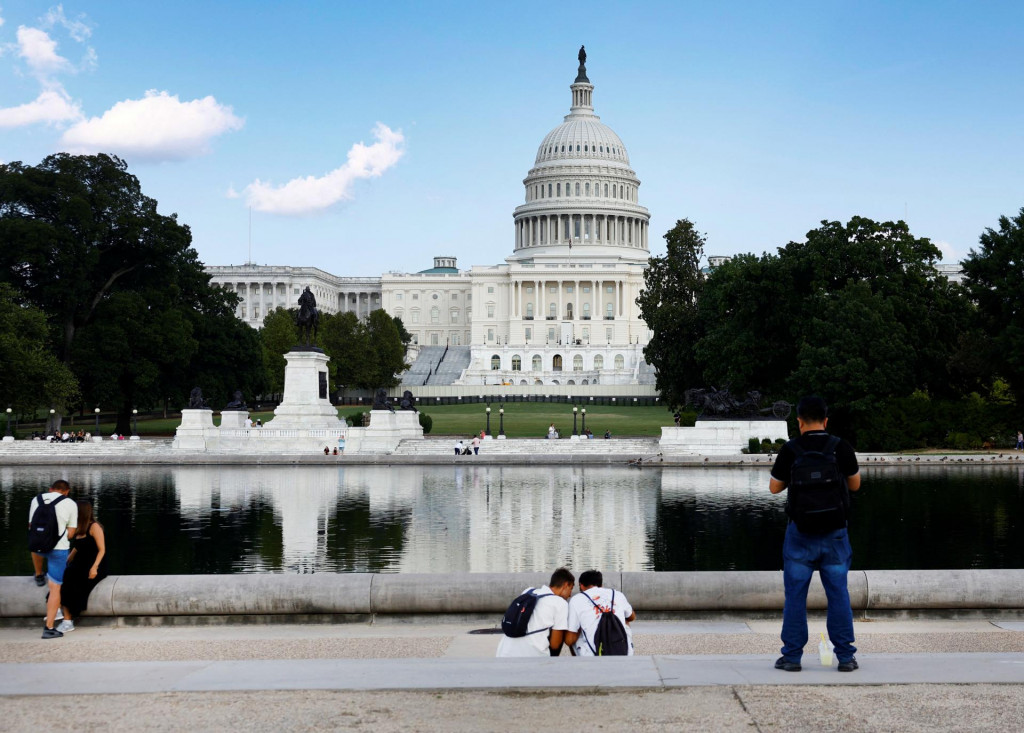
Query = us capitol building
x=560 y=310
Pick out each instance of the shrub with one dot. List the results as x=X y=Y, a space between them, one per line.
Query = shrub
x=426 y=422
x=753 y=446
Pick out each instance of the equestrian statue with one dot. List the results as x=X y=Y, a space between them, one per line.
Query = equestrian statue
x=308 y=318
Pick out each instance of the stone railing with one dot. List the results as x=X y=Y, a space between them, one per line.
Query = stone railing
x=369 y=594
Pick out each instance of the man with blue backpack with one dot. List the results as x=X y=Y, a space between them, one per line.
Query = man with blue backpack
x=534 y=624
x=52 y=520
x=819 y=470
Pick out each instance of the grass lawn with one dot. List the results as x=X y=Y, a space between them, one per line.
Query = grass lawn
x=531 y=419
x=522 y=420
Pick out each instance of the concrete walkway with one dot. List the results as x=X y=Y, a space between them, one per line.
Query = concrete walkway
x=703 y=674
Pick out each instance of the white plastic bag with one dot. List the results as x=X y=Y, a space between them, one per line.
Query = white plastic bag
x=825 y=651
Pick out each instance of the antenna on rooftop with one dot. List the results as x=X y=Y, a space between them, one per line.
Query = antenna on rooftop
x=249 y=262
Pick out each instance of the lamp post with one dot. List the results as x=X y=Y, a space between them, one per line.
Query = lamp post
x=49 y=427
x=501 y=421
x=488 y=411
x=97 y=411
x=584 y=414
x=8 y=433
x=574 y=411
x=135 y=423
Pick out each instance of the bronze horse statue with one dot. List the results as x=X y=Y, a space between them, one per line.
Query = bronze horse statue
x=308 y=318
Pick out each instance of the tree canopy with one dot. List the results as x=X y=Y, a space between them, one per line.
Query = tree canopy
x=129 y=305
x=994 y=277
x=856 y=313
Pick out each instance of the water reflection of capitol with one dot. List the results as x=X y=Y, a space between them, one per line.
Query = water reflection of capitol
x=460 y=519
x=463 y=519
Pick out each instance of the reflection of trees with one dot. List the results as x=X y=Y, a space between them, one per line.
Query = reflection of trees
x=358 y=541
x=717 y=533
x=932 y=518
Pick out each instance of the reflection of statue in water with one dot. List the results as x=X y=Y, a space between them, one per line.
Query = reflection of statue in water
x=237 y=401
x=407 y=403
x=196 y=401
x=381 y=401
x=581 y=75
x=308 y=318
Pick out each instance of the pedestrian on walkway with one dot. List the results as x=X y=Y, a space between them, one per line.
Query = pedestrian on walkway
x=57 y=519
x=87 y=566
x=476 y=445
x=819 y=470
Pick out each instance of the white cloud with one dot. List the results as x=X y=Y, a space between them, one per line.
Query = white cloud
x=40 y=52
x=231 y=193
x=157 y=127
x=310 y=194
x=949 y=252
x=77 y=29
x=51 y=106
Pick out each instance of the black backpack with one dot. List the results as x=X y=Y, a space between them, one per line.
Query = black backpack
x=43 y=534
x=818 y=500
x=610 y=638
x=517 y=618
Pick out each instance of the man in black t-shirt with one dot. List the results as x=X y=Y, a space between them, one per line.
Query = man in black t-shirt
x=829 y=553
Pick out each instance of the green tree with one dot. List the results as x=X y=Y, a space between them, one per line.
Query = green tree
x=387 y=350
x=856 y=313
x=278 y=336
x=994 y=277
x=672 y=288
x=31 y=376
x=403 y=334
x=347 y=342
x=78 y=228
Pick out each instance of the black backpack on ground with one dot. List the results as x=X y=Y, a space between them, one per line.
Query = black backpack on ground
x=818 y=500
x=517 y=618
x=610 y=638
x=43 y=534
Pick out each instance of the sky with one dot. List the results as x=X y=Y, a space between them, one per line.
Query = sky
x=364 y=138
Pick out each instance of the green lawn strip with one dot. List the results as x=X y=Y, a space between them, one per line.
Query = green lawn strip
x=531 y=419
x=522 y=420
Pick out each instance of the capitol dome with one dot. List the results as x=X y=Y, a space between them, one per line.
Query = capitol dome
x=581 y=190
x=582 y=139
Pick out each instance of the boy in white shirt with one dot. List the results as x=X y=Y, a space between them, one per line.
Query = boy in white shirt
x=549 y=614
x=584 y=614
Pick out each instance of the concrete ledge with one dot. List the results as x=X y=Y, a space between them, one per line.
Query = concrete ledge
x=366 y=594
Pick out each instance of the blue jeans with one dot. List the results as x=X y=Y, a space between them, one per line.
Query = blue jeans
x=830 y=555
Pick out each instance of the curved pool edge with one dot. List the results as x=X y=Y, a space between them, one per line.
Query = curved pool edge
x=368 y=595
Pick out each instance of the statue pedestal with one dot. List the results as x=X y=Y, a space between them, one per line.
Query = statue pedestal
x=720 y=437
x=234 y=419
x=191 y=434
x=386 y=430
x=306 y=387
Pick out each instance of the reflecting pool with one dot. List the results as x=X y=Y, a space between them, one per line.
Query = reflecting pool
x=215 y=519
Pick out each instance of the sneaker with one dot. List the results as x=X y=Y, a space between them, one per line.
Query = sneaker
x=66 y=626
x=58 y=617
x=849 y=665
x=40 y=580
x=783 y=664
x=51 y=634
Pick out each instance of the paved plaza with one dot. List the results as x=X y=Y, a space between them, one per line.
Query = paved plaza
x=708 y=674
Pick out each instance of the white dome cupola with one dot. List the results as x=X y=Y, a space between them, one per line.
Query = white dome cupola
x=581 y=191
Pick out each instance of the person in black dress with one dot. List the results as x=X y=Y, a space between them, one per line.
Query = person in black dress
x=87 y=566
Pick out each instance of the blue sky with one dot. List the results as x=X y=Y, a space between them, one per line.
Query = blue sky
x=369 y=137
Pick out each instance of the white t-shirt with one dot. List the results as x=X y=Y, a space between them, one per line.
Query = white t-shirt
x=550 y=611
x=67 y=516
x=583 y=616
